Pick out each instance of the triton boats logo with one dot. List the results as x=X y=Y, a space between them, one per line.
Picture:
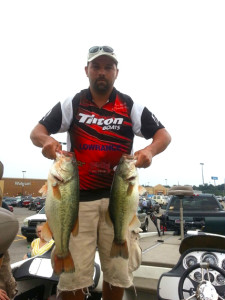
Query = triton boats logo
x=106 y=123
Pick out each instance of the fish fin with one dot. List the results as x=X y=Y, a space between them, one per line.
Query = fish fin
x=135 y=223
x=56 y=191
x=119 y=249
x=141 y=190
x=108 y=219
x=130 y=189
x=46 y=233
x=62 y=264
x=43 y=190
x=75 y=228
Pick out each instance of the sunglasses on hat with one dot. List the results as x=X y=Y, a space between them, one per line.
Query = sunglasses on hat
x=96 y=49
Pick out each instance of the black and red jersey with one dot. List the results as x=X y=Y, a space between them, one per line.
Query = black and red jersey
x=99 y=136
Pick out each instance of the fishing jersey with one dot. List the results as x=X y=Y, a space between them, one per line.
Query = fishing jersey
x=100 y=136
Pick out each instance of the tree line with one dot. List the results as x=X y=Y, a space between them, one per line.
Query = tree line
x=218 y=190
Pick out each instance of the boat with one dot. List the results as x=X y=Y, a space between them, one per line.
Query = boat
x=174 y=267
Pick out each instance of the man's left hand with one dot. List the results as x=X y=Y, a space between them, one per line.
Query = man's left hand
x=144 y=158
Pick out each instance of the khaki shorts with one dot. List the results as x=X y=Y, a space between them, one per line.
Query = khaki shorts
x=94 y=232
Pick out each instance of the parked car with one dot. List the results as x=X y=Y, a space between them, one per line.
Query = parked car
x=201 y=211
x=36 y=204
x=28 y=229
x=31 y=203
x=10 y=201
x=6 y=206
x=152 y=206
x=143 y=218
x=40 y=203
x=19 y=201
x=160 y=199
x=26 y=201
x=11 y=208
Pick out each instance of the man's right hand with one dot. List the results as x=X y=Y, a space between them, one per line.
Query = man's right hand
x=41 y=138
x=50 y=147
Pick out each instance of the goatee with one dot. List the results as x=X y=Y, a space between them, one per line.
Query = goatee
x=101 y=87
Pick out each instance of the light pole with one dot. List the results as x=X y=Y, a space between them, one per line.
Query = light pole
x=23 y=182
x=166 y=181
x=202 y=173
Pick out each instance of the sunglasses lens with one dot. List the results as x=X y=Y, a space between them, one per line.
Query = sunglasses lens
x=94 y=49
x=107 y=49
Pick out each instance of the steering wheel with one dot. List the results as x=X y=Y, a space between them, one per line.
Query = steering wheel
x=204 y=289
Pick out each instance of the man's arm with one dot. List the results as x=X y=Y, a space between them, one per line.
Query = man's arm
x=41 y=138
x=161 y=140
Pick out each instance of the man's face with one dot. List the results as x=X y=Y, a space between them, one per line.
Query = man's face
x=102 y=73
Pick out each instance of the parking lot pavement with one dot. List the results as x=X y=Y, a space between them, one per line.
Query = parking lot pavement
x=20 y=245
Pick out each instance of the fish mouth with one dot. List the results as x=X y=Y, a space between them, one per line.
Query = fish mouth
x=58 y=178
x=131 y=178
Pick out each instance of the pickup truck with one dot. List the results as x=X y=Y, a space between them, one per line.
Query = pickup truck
x=28 y=229
x=160 y=199
x=201 y=211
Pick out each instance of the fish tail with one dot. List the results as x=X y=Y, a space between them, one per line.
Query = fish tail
x=68 y=264
x=62 y=264
x=119 y=249
x=57 y=264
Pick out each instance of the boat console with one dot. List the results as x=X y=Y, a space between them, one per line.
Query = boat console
x=200 y=271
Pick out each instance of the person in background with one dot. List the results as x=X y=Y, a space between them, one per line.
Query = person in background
x=39 y=246
x=101 y=123
x=144 y=205
x=7 y=282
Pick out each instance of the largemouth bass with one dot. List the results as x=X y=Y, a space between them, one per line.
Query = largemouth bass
x=124 y=197
x=61 y=207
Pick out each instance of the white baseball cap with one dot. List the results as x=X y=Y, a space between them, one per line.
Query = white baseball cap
x=97 y=51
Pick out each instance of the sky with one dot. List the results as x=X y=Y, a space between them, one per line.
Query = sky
x=171 y=59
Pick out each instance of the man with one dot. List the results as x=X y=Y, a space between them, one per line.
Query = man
x=144 y=205
x=101 y=123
